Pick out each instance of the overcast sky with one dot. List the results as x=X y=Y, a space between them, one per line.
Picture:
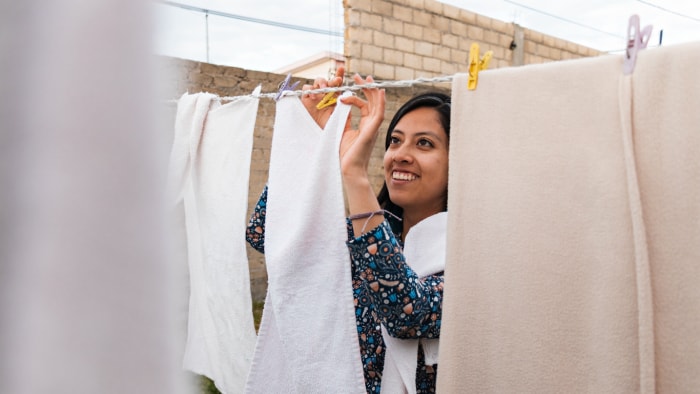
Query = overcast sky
x=600 y=24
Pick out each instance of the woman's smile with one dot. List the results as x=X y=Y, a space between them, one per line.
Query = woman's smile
x=403 y=176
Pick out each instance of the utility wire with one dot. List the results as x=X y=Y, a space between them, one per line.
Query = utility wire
x=563 y=19
x=669 y=11
x=254 y=20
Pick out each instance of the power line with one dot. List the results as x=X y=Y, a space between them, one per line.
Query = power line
x=254 y=20
x=563 y=19
x=669 y=11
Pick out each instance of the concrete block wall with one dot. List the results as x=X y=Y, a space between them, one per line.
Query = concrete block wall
x=182 y=76
x=389 y=40
x=407 y=39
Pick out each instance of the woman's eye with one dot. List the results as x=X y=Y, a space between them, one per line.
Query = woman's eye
x=424 y=142
x=394 y=140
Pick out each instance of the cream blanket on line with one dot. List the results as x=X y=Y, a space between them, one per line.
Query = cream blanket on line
x=574 y=230
x=308 y=336
x=209 y=169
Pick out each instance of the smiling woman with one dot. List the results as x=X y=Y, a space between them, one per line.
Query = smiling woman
x=397 y=264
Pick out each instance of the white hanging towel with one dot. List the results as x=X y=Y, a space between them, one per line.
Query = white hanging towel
x=425 y=251
x=573 y=229
x=307 y=342
x=209 y=167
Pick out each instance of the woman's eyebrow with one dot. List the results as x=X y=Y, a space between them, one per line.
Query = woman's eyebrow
x=430 y=133
x=421 y=134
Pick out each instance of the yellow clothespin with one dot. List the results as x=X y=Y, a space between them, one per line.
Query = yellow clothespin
x=477 y=64
x=327 y=100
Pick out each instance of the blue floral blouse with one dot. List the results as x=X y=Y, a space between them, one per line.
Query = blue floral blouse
x=385 y=291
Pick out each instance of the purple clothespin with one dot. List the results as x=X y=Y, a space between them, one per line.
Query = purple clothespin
x=285 y=86
x=636 y=41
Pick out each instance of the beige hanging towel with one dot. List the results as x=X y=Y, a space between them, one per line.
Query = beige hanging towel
x=666 y=132
x=573 y=229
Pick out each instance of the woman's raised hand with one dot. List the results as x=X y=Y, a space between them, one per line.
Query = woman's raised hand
x=310 y=101
x=356 y=145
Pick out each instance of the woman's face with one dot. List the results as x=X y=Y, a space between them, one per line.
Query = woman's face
x=415 y=164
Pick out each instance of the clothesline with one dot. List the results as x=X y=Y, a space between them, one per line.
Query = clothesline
x=382 y=84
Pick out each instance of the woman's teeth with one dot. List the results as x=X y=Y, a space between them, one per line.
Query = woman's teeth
x=403 y=176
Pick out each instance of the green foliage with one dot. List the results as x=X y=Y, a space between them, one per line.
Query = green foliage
x=206 y=386
x=258 y=307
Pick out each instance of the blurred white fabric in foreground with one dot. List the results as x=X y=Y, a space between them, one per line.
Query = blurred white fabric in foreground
x=85 y=289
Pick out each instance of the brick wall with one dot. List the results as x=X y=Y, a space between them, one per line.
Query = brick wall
x=389 y=40
x=407 y=39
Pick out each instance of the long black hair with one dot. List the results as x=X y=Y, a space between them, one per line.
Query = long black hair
x=442 y=104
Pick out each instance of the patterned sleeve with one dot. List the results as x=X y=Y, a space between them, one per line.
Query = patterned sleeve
x=255 y=233
x=408 y=306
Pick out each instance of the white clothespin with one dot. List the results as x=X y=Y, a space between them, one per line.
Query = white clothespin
x=636 y=40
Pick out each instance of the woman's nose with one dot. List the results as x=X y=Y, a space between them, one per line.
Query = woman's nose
x=403 y=154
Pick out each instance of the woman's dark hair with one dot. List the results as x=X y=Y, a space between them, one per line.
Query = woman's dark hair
x=442 y=104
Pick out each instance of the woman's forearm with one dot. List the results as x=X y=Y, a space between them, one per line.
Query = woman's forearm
x=361 y=199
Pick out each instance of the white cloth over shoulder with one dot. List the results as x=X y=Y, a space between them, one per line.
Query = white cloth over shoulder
x=308 y=336
x=209 y=168
x=425 y=249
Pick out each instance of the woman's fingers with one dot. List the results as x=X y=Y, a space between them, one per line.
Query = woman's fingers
x=375 y=97
x=354 y=100
x=372 y=94
x=359 y=81
x=309 y=97
x=371 y=109
x=356 y=145
x=320 y=83
x=339 y=77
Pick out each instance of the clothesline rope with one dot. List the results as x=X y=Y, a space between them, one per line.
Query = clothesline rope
x=382 y=84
